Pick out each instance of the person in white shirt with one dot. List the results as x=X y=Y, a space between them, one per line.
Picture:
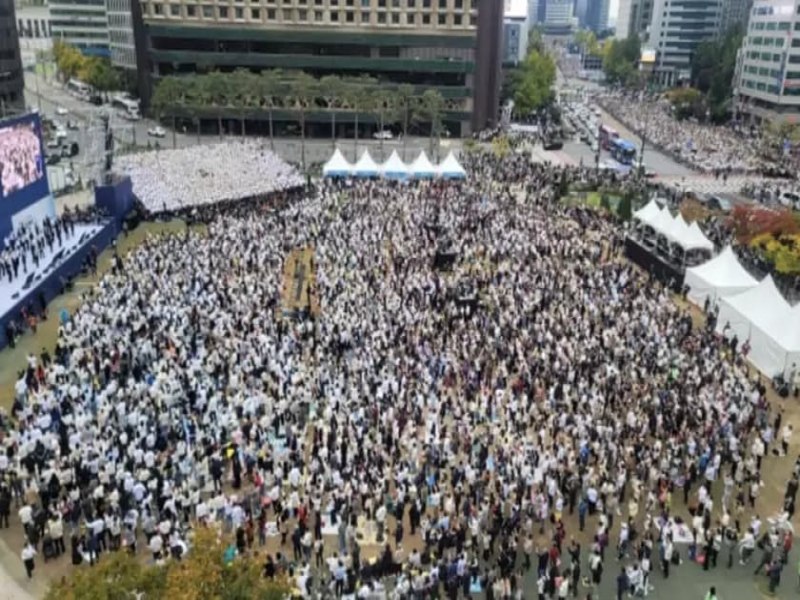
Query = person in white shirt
x=28 y=554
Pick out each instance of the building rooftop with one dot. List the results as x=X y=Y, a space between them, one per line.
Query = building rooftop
x=516 y=9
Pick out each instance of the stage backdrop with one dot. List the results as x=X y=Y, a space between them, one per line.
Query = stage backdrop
x=23 y=176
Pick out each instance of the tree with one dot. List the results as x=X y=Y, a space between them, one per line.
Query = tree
x=621 y=59
x=533 y=88
x=168 y=95
x=268 y=86
x=244 y=89
x=687 y=102
x=383 y=102
x=713 y=65
x=202 y=575
x=69 y=59
x=99 y=74
x=332 y=90
x=536 y=40
x=357 y=98
x=429 y=108
x=303 y=89
x=405 y=94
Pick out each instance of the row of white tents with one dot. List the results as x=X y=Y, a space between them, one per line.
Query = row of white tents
x=753 y=310
x=675 y=229
x=394 y=167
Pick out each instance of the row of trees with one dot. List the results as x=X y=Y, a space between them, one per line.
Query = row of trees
x=245 y=94
x=94 y=70
x=621 y=60
x=207 y=573
x=713 y=65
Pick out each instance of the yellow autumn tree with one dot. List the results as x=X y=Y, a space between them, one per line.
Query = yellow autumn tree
x=202 y=575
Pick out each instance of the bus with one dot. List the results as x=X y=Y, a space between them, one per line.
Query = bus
x=607 y=136
x=79 y=89
x=128 y=105
x=623 y=151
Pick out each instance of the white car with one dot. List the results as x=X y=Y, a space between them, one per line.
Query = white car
x=158 y=132
x=61 y=111
x=383 y=135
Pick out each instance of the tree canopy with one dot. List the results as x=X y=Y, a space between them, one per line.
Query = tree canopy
x=94 y=70
x=713 y=65
x=621 y=59
x=533 y=85
x=587 y=40
x=202 y=575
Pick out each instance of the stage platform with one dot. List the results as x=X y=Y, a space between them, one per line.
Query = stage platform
x=55 y=268
x=648 y=259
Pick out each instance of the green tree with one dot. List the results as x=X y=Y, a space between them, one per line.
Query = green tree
x=332 y=89
x=536 y=40
x=533 y=88
x=357 y=98
x=429 y=108
x=69 y=60
x=405 y=94
x=269 y=89
x=621 y=60
x=245 y=93
x=713 y=65
x=686 y=103
x=303 y=89
x=167 y=96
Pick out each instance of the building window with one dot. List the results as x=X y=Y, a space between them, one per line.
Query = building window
x=238 y=12
x=784 y=26
x=381 y=17
x=365 y=3
x=334 y=2
x=426 y=3
x=318 y=16
x=255 y=14
x=158 y=9
x=302 y=15
x=458 y=4
x=381 y=3
x=772 y=26
x=410 y=18
x=175 y=10
x=395 y=3
x=191 y=10
x=349 y=2
x=270 y=14
x=365 y=16
x=426 y=19
x=208 y=11
x=395 y=18
x=442 y=19
x=334 y=16
x=223 y=12
x=318 y=2
x=287 y=14
x=442 y=3
x=411 y=3
x=457 y=20
x=473 y=20
x=349 y=16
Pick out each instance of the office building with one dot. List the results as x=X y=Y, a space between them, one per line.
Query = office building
x=596 y=16
x=450 y=45
x=767 y=86
x=121 y=42
x=579 y=10
x=735 y=13
x=34 y=31
x=633 y=18
x=536 y=10
x=559 y=17
x=515 y=31
x=81 y=23
x=12 y=83
x=675 y=31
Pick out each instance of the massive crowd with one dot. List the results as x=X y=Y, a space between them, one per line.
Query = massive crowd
x=20 y=157
x=479 y=449
x=25 y=247
x=184 y=178
x=707 y=148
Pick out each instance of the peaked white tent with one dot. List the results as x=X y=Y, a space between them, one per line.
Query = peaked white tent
x=337 y=166
x=394 y=167
x=648 y=212
x=759 y=315
x=366 y=167
x=719 y=277
x=698 y=239
x=450 y=168
x=422 y=167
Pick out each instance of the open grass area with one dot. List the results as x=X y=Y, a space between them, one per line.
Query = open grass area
x=592 y=199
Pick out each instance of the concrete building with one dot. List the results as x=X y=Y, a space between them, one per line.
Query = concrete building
x=34 y=31
x=536 y=10
x=12 y=83
x=596 y=15
x=735 y=12
x=559 y=18
x=633 y=18
x=515 y=31
x=81 y=23
x=675 y=31
x=767 y=85
x=455 y=46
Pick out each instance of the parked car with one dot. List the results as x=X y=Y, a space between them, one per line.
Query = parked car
x=789 y=200
x=719 y=203
x=157 y=131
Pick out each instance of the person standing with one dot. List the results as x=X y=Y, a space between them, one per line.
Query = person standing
x=28 y=552
x=712 y=594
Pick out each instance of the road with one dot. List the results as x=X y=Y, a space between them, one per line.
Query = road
x=89 y=162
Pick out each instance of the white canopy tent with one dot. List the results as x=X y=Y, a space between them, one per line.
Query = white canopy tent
x=394 y=167
x=337 y=166
x=422 y=167
x=698 y=239
x=648 y=212
x=759 y=315
x=450 y=168
x=719 y=277
x=366 y=167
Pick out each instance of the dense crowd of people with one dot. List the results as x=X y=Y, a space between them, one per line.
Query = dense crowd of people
x=705 y=147
x=20 y=158
x=183 y=178
x=481 y=440
x=28 y=243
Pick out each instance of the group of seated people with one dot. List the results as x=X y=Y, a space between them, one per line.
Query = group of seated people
x=184 y=178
